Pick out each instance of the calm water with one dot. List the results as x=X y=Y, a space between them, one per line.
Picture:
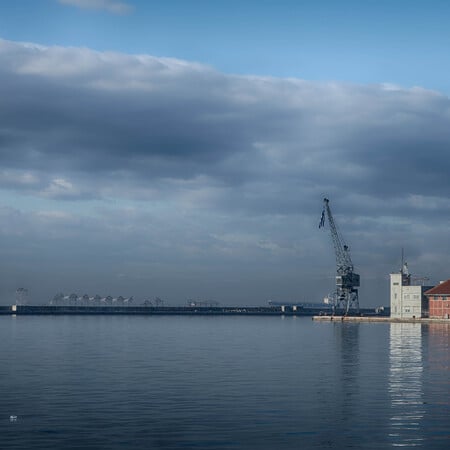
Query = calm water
x=222 y=383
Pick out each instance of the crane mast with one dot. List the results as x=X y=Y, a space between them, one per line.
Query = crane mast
x=347 y=281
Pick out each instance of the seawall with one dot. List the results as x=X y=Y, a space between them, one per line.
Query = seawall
x=376 y=319
x=23 y=310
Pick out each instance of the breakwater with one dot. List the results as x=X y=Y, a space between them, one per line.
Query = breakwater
x=168 y=310
x=150 y=310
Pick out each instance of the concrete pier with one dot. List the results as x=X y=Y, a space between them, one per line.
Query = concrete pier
x=57 y=310
x=376 y=319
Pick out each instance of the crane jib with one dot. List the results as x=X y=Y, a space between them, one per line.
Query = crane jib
x=346 y=294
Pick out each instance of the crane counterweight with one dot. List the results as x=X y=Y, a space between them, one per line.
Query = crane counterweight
x=347 y=281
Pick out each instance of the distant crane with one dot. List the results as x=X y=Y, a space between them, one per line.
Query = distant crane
x=347 y=281
x=21 y=296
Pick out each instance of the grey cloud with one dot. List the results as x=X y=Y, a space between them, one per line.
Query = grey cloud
x=161 y=118
x=229 y=170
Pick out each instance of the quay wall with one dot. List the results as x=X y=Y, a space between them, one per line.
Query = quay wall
x=27 y=310
x=140 y=310
x=377 y=319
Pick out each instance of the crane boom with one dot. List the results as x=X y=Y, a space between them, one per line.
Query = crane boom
x=346 y=294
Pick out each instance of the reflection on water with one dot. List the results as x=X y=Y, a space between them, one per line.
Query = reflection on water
x=347 y=346
x=438 y=347
x=437 y=384
x=253 y=383
x=347 y=340
x=406 y=385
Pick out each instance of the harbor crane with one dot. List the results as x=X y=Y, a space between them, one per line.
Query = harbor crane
x=347 y=281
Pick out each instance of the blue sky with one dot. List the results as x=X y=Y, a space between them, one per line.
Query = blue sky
x=401 y=42
x=182 y=149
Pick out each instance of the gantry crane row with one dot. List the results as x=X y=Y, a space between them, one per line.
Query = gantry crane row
x=347 y=281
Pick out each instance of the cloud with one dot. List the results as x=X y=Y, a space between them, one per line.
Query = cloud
x=62 y=189
x=222 y=173
x=112 y=6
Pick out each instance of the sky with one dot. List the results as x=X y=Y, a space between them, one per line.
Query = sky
x=182 y=149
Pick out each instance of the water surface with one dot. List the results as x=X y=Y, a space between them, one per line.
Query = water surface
x=110 y=382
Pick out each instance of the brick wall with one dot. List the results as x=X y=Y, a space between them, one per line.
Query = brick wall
x=439 y=306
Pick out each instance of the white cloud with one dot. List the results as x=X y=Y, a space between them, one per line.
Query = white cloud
x=60 y=188
x=18 y=178
x=112 y=6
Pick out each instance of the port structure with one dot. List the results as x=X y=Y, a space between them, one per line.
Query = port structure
x=21 y=296
x=347 y=281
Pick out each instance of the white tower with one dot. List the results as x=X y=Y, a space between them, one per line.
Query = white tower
x=396 y=295
x=407 y=299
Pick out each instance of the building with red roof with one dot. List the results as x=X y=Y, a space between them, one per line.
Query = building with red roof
x=439 y=300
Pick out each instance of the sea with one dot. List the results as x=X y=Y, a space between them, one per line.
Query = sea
x=222 y=382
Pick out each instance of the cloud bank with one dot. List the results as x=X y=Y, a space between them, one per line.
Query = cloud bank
x=215 y=181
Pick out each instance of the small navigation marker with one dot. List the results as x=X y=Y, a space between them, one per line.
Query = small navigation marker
x=13 y=418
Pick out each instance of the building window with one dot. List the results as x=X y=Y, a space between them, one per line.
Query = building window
x=395 y=296
x=435 y=297
x=395 y=284
x=416 y=296
x=406 y=296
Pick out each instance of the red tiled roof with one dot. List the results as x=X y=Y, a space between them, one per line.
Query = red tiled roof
x=440 y=289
